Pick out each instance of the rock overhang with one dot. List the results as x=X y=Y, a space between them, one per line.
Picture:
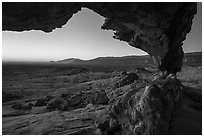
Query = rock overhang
x=158 y=28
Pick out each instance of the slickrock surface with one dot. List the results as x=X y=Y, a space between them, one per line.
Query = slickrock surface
x=141 y=106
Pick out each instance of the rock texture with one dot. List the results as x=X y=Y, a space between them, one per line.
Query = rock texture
x=136 y=106
x=132 y=105
x=157 y=28
x=146 y=110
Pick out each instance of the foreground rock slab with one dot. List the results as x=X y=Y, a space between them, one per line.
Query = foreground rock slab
x=79 y=121
x=162 y=106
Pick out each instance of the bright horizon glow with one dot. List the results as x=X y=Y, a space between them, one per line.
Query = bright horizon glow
x=81 y=37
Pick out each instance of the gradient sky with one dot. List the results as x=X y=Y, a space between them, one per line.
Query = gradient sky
x=80 y=38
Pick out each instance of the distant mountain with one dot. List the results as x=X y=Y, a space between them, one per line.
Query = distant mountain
x=70 y=61
x=111 y=61
x=122 y=61
x=190 y=59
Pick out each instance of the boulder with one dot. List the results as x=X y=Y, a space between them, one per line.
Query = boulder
x=57 y=103
x=41 y=102
x=128 y=79
x=77 y=101
x=100 y=98
x=107 y=125
x=149 y=110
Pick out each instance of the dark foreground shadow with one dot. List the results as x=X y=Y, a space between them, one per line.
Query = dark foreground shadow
x=189 y=119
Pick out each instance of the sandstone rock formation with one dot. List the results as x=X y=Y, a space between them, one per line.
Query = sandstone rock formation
x=145 y=110
x=157 y=28
x=137 y=106
x=163 y=106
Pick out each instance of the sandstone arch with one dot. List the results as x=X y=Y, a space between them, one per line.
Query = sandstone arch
x=157 y=28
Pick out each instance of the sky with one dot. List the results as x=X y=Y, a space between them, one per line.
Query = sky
x=81 y=38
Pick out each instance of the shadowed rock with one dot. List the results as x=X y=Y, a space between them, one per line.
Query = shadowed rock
x=149 y=110
x=41 y=102
x=100 y=98
x=105 y=125
x=82 y=99
x=57 y=103
x=157 y=28
x=128 y=79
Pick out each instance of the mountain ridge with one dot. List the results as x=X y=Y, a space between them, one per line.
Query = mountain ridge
x=190 y=58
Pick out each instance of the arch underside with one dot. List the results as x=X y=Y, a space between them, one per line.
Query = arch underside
x=157 y=28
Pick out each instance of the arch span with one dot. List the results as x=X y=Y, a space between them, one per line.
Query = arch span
x=157 y=28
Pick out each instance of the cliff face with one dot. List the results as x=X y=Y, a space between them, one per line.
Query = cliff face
x=157 y=28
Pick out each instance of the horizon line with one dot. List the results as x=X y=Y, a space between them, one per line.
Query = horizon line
x=48 y=61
